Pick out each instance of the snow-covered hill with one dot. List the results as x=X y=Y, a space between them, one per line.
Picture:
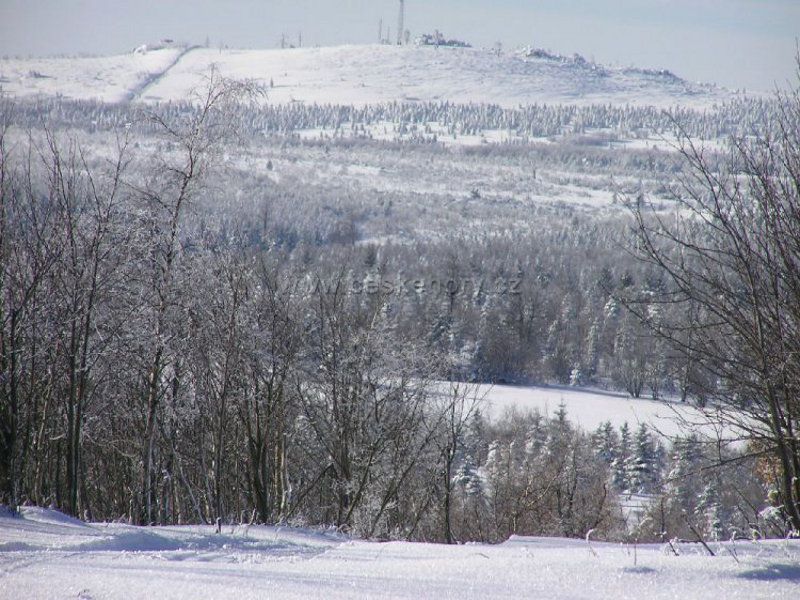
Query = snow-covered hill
x=107 y=78
x=358 y=75
x=45 y=555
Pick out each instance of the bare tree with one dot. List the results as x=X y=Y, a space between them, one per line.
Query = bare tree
x=730 y=253
x=266 y=406
x=459 y=403
x=28 y=253
x=365 y=400
x=196 y=140
x=85 y=206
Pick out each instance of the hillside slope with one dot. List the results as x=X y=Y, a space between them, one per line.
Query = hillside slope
x=105 y=78
x=360 y=75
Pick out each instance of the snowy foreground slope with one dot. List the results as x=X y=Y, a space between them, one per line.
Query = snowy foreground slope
x=359 y=75
x=46 y=555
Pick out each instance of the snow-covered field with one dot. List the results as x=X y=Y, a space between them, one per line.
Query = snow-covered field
x=44 y=554
x=589 y=408
x=357 y=75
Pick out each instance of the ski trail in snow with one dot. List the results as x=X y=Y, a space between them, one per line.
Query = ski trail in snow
x=138 y=92
x=17 y=561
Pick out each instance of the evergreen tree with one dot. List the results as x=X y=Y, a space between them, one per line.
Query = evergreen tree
x=684 y=479
x=468 y=479
x=618 y=473
x=711 y=512
x=592 y=351
x=641 y=468
x=606 y=442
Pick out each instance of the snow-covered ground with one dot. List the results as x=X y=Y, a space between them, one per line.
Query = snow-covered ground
x=357 y=75
x=44 y=554
x=589 y=408
x=105 y=78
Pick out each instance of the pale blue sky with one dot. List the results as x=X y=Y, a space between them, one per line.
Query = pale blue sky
x=737 y=43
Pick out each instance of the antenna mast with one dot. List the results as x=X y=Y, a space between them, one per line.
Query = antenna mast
x=400 y=24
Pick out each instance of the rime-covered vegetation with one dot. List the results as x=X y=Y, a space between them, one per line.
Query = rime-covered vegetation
x=741 y=117
x=198 y=327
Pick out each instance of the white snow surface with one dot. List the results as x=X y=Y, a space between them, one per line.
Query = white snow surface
x=589 y=408
x=358 y=75
x=106 y=78
x=46 y=555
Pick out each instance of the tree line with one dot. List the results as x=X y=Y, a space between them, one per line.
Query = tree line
x=738 y=116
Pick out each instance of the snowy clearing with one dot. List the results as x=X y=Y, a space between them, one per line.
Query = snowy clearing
x=44 y=554
x=589 y=408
